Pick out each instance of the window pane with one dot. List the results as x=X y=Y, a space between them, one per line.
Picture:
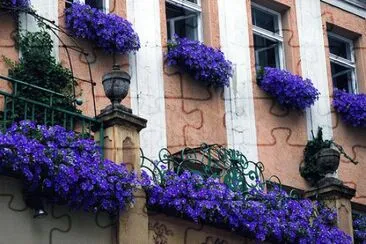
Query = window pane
x=265 y=20
x=192 y=1
x=182 y=22
x=339 y=48
x=95 y=3
x=266 y=52
x=342 y=77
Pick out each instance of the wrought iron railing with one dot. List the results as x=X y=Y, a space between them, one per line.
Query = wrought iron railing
x=14 y=106
x=229 y=165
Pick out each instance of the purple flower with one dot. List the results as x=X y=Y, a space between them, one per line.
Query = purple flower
x=204 y=63
x=15 y=3
x=351 y=107
x=272 y=217
x=110 y=32
x=291 y=91
x=359 y=228
x=65 y=167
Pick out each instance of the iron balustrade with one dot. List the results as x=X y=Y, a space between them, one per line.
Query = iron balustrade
x=228 y=165
x=15 y=107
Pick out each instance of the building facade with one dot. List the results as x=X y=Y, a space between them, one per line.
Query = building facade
x=323 y=40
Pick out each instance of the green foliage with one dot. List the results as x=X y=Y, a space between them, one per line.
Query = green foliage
x=38 y=67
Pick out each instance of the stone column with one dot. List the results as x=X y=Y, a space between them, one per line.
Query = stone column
x=122 y=144
x=336 y=196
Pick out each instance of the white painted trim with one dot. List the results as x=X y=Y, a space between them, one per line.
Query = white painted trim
x=313 y=64
x=346 y=40
x=271 y=12
x=348 y=63
x=277 y=37
x=239 y=102
x=359 y=11
x=196 y=8
x=146 y=69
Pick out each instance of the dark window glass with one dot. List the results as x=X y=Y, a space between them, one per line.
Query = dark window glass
x=264 y=20
x=339 y=48
x=68 y=3
x=266 y=52
x=184 y=22
x=192 y=1
x=341 y=76
x=95 y=3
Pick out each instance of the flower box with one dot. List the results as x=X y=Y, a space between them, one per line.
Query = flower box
x=203 y=63
x=110 y=32
x=351 y=107
x=289 y=90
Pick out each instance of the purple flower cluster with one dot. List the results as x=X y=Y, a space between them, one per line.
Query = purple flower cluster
x=15 y=3
x=110 y=32
x=290 y=90
x=204 y=63
x=359 y=228
x=64 y=168
x=351 y=107
x=272 y=216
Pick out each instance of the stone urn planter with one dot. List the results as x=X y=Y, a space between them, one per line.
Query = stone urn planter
x=321 y=160
x=324 y=164
x=327 y=161
x=116 y=85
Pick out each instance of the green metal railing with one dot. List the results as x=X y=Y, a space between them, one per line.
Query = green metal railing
x=15 y=107
x=228 y=165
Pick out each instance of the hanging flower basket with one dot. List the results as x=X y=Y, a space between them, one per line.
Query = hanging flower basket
x=204 y=63
x=351 y=107
x=110 y=32
x=291 y=91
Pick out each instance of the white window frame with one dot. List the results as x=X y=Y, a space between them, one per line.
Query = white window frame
x=348 y=63
x=194 y=7
x=277 y=37
x=105 y=4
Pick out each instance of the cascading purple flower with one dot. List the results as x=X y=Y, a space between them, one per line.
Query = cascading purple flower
x=291 y=91
x=359 y=228
x=110 y=32
x=351 y=107
x=204 y=63
x=14 y=3
x=65 y=168
x=272 y=217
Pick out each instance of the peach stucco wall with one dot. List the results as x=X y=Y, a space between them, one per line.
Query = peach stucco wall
x=352 y=139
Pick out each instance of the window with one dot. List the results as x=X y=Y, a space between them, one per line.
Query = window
x=267 y=36
x=342 y=63
x=184 y=19
x=98 y=4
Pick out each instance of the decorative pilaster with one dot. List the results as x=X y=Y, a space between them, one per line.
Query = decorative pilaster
x=239 y=101
x=336 y=196
x=122 y=144
x=313 y=63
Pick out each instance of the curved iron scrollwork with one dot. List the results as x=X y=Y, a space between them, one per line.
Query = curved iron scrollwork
x=229 y=165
